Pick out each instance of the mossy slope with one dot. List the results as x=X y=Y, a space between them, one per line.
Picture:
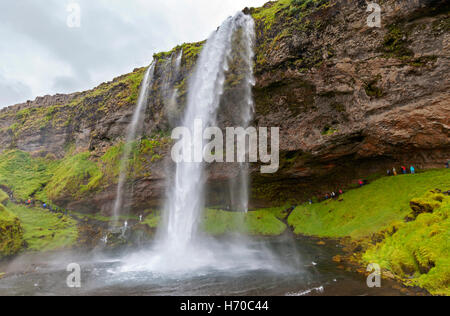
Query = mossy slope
x=419 y=251
x=406 y=235
x=22 y=173
x=368 y=210
x=11 y=233
x=258 y=223
x=45 y=231
x=77 y=175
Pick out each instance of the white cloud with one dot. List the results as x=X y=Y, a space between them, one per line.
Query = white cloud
x=41 y=55
x=12 y=90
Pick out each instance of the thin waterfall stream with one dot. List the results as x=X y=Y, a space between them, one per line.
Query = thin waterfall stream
x=133 y=131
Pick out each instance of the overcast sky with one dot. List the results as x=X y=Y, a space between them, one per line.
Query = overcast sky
x=40 y=54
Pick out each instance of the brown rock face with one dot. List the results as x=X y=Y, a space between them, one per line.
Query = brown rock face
x=350 y=101
x=374 y=97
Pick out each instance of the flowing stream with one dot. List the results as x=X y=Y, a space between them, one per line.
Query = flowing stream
x=133 y=131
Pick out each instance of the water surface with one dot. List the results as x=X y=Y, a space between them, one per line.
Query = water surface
x=260 y=268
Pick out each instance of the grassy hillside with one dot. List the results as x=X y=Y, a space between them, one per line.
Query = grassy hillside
x=368 y=210
x=11 y=233
x=77 y=174
x=43 y=230
x=401 y=225
x=260 y=223
x=22 y=173
x=419 y=251
x=3 y=197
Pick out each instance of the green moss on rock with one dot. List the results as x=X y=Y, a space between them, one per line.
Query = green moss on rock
x=11 y=232
x=74 y=176
x=372 y=88
x=395 y=43
x=191 y=51
x=419 y=251
x=78 y=174
x=45 y=231
x=24 y=174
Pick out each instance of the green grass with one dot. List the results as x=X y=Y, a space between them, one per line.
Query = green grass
x=295 y=9
x=48 y=179
x=269 y=14
x=77 y=174
x=215 y=222
x=367 y=210
x=419 y=251
x=121 y=91
x=102 y=218
x=260 y=223
x=11 y=233
x=153 y=219
x=266 y=222
x=73 y=176
x=43 y=230
x=22 y=173
x=3 y=197
x=411 y=226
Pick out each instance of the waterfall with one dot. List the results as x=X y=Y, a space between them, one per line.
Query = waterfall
x=185 y=202
x=133 y=131
x=243 y=54
x=223 y=75
x=170 y=91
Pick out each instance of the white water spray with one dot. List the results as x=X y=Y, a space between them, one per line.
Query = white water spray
x=133 y=130
x=186 y=198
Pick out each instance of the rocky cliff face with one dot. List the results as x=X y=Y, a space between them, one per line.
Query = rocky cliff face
x=350 y=101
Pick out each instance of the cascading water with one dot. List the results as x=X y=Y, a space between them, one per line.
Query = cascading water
x=243 y=55
x=186 y=198
x=133 y=130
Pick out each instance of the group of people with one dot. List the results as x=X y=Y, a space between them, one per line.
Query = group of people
x=403 y=169
x=332 y=195
x=30 y=202
x=44 y=205
x=393 y=172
